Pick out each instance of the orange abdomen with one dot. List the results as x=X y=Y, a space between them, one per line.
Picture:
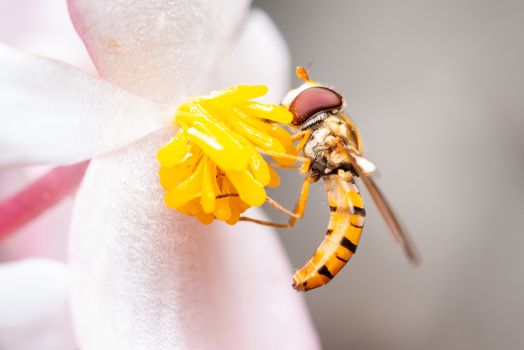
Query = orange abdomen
x=342 y=235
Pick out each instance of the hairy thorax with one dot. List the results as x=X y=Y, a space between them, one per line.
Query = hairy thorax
x=327 y=145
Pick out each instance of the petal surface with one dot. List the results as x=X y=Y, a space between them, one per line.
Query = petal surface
x=41 y=195
x=162 y=50
x=51 y=112
x=43 y=27
x=148 y=277
x=33 y=300
x=258 y=57
x=44 y=236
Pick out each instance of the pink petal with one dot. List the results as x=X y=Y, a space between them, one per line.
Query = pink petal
x=33 y=300
x=51 y=112
x=46 y=235
x=35 y=199
x=161 y=50
x=147 y=277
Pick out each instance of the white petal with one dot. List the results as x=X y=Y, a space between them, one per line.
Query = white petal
x=43 y=27
x=260 y=56
x=33 y=300
x=161 y=50
x=51 y=112
x=147 y=277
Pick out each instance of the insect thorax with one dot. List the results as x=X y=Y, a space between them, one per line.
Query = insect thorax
x=326 y=144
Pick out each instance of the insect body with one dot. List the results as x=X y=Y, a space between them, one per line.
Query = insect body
x=332 y=150
x=342 y=235
x=330 y=136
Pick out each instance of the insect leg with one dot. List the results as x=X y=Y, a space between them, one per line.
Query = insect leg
x=269 y=200
x=280 y=207
x=306 y=162
x=280 y=166
x=298 y=213
x=272 y=202
x=298 y=135
x=303 y=136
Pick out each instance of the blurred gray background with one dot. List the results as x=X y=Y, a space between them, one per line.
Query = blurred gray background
x=437 y=91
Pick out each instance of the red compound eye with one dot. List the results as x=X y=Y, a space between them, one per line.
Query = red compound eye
x=313 y=100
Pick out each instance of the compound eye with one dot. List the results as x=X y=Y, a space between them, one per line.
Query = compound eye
x=313 y=100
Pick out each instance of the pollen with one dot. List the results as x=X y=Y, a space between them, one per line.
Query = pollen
x=213 y=167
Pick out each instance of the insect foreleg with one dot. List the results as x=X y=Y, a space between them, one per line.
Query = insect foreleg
x=306 y=162
x=303 y=136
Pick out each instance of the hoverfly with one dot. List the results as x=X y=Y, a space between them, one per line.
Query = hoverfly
x=331 y=150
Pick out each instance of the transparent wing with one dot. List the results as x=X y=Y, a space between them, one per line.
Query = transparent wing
x=399 y=233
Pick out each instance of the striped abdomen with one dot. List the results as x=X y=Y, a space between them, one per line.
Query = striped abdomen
x=342 y=235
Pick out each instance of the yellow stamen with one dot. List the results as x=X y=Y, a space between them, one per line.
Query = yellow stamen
x=212 y=167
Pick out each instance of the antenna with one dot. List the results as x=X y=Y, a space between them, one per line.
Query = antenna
x=302 y=73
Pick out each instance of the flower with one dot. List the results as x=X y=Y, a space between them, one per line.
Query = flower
x=212 y=167
x=143 y=276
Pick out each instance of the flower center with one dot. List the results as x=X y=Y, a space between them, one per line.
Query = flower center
x=213 y=167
